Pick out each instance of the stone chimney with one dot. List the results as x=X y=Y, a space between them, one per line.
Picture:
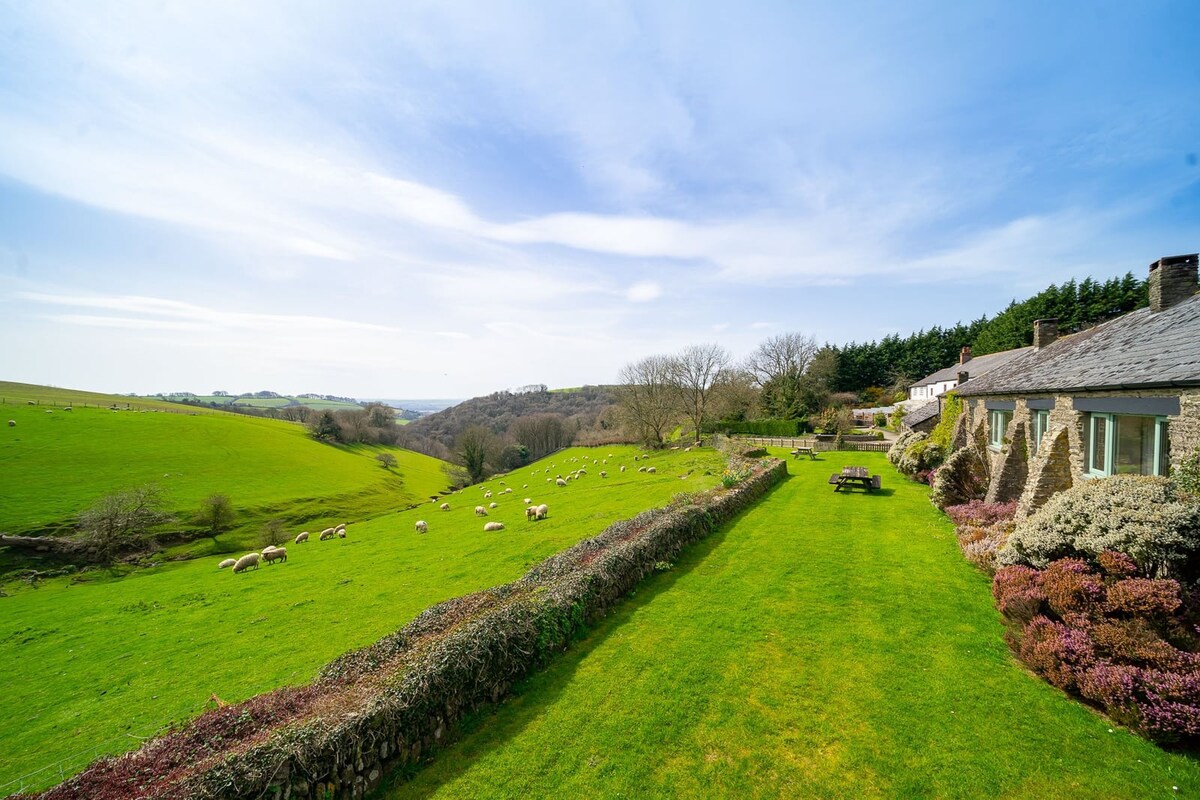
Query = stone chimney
x=965 y=355
x=1172 y=280
x=962 y=378
x=1045 y=331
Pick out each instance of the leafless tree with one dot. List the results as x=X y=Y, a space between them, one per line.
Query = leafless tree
x=695 y=372
x=648 y=397
x=778 y=365
x=540 y=433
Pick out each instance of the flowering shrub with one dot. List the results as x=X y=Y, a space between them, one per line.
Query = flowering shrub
x=1143 y=517
x=735 y=474
x=962 y=478
x=978 y=512
x=980 y=543
x=1128 y=644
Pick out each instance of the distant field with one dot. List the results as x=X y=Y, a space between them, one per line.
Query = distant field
x=92 y=665
x=262 y=402
x=823 y=646
x=15 y=394
x=53 y=465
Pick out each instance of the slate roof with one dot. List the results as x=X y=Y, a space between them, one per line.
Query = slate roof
x=978 y=366
x=1139 y=350
x=922 y=413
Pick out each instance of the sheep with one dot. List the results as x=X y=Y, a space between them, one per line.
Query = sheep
x=561 y=482
x=444 y=506
x=531 y=512
x=68 y=408
x=278 y=554
x=246 y=562
x=229 y=562
x=622 y=468
x=524 y=485
x=507 y=491
x=12 y=423
x=641 y=469
x=302 y=537
x=268 y=549
x=422 y=526
x=493 y=526
x=603 y=474
x=30 y=403
x=341 y=527
x=341 y=532
x=651 y=470
x=480 y=511
x=328 y=533
x=493 y=504
x=528 y=500
x=487 y=495
x=542 y=511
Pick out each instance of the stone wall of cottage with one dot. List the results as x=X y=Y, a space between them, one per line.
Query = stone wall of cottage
x=1020 y=473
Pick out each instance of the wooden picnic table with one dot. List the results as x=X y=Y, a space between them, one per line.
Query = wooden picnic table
x=854 y=477
x=802 y=450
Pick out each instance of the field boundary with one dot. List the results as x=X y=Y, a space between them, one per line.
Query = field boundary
x=383 y=706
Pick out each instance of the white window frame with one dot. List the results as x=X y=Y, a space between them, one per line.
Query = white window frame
x=1110 y=443
x=1041 y=424
x=997 y=432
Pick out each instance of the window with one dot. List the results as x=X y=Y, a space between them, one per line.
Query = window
x=998 y=425
x=1126 y=444
x=1041 y=423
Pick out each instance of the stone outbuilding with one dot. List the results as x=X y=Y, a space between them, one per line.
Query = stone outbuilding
x=1120 y=398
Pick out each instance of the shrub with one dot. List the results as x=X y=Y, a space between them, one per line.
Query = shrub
x=1143 y=517
x=979 y=543
x=896 y=451
x=1070 y=587
x=1018 y=592
x=952 y=408
x=1057 y=652
x=1144 y=597
x=961 y=478
x=978 y=512
x=880 y=419
x=1187 y=475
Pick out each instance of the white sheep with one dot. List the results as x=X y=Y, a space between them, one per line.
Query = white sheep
x=229 y=562
x=487 y=495
x=301 y=537
x=267 y=549
x=328 y=533
x=278 y=554
x=246 y=562
x=603 y=474
x=528 y=500
x=480 y=511
x=444 y=506
x=524 y=485
x=622 y=468
x=561 y=482
x=12 y=423
x=422 y=526
x=494 y=526
x=651 y=470
x=507 y=491
x=341 y=527
x=341 y=532
x=493 y=504
x=531 y=512
x=542 y=511
x=641 y=469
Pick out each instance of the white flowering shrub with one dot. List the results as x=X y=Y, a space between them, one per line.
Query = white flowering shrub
x=1147 y=518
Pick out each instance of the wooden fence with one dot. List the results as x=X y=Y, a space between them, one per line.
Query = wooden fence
x=817 y=445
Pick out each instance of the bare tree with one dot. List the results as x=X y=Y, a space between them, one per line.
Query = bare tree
x=540 y=433
x=777 y=366
x=695 y=372
x=648 y=398
x=121 y=521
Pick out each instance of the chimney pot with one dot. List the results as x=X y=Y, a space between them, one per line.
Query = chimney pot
x=1045 y=331
x=965 y=355
x=1172 y=280
x=962 y=378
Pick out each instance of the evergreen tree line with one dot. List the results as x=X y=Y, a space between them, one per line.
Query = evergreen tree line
x=894 y=362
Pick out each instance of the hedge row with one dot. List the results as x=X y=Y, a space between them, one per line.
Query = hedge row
x=763 y=427
x=383 y=706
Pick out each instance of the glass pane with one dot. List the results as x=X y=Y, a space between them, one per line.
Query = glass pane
x=1135 y=446
x=1099 y=442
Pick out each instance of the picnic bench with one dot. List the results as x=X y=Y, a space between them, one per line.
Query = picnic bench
x=802 y=450
x=855 y=477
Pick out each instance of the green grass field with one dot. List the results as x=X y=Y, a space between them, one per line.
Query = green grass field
x=262 y=402
x=89 y=666
x=826 y=646
x=53 y=465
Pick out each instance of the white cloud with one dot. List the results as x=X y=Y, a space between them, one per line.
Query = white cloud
x=643 y=292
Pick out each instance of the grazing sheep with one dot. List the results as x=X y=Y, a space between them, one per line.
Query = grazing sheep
x=341 y=532
x=68 y=408
x=561 y=482
x=524 y=485
x=278 y=554
x=508 y=490
x=622 y=468
x=480 y=511
x=328 y=533
x=341 y=527
x=268 y=549
x=12 y=423
x=603 y=474
x=302 y=537
x=444 y=506
x=494 y=526
x=422 y=526
x=651 y=470
x=487 y=495
x=531 y=513
x=229 y=562
x=641 y=469
x=528 y=500
x=493 y=504
x=30 y=403
x=246 y=562
x=542 y=511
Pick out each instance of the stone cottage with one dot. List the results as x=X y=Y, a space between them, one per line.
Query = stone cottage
x=967 y=367
x=1120 y=398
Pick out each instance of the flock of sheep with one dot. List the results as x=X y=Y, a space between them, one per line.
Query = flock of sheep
x=533 y=512
x=271 y=553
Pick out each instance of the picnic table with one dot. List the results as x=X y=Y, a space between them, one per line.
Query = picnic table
x=854 y=477
x=802 y=450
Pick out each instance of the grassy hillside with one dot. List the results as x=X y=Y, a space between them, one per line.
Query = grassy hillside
x=91 y=665
x=55 y=464
x=263 y=402
x=19 y=394
x=821 y=646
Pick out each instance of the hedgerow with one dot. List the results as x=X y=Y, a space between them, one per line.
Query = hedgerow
x=390 y=702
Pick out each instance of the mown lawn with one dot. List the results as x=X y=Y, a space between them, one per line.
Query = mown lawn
x=90 y=666
x=820 y=646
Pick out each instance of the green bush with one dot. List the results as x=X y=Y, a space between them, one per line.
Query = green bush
x=1147 y=518
x=963 y=477
x=913 y=453
x=952 y=408
x=764 y=427
x=881 y=420
x=1187 y=475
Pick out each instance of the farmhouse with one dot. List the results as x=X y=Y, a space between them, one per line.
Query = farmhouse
x=1120 y=398
x=967 y=367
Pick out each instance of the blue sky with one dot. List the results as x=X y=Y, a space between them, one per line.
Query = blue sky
x=444 y=199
